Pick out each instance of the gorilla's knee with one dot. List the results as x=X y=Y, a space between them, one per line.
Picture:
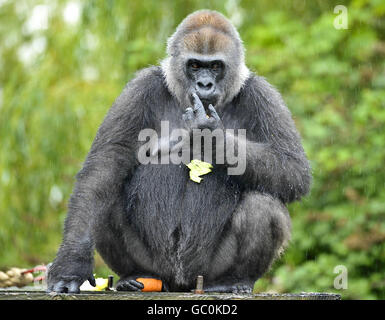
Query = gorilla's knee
x=263 y=225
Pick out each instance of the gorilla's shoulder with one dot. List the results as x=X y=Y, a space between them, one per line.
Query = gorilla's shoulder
x=147 y=80
x=258 y=85
x=145 y=88
x=257 y=91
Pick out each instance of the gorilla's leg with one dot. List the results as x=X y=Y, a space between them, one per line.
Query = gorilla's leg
x=258 y=233
x=124 y=252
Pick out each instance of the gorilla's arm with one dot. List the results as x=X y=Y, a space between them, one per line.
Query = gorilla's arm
x=111 y=160
x=275 y=160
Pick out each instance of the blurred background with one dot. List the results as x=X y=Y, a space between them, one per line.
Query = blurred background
x=63 y=63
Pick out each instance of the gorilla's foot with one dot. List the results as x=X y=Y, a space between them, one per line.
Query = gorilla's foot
x=129 y=284
x=139 y=283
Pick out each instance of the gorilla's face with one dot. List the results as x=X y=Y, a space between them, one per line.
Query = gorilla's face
x=205 y=77
x=206 y=57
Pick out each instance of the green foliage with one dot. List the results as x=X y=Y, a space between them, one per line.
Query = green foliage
x=58 y=80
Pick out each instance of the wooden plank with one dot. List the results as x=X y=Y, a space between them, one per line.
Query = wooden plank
x=113 y=295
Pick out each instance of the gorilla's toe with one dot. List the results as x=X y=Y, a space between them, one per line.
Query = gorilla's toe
x=129 y=284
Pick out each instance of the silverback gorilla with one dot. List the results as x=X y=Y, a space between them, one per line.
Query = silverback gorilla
x=151 y=220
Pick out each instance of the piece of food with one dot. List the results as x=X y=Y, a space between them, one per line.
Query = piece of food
x=150 y=284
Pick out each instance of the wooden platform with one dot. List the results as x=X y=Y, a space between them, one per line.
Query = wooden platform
x=113 y=295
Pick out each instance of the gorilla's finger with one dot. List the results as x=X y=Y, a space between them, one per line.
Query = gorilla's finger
x=198 y=105
x=197 y=102
x=136 y=284
x=130 y=287
x=92 y=281
x=50 y=287
x=188 y=114
x=73 y=287
x=59 y=287
x=126 y=286
x=246 y=289
x=213 y=112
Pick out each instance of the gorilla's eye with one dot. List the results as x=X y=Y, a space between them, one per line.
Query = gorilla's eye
x=194 y=65
x=216 y=66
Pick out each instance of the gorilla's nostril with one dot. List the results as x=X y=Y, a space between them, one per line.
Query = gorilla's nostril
x=206 y=86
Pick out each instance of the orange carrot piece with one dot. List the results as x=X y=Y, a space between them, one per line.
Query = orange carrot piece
x=150 y=284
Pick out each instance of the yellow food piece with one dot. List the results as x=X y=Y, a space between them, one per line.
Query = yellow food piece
x=101 y=284
x=198 y=168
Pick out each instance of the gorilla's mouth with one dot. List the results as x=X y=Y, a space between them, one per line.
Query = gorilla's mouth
x=206 y=101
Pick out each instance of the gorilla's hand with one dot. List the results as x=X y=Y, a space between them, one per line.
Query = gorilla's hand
x=68 y=277
x=196 y=117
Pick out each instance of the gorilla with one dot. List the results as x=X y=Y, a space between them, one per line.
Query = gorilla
x=150 y=220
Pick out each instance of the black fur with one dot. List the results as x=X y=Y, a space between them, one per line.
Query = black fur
x=152 y=220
